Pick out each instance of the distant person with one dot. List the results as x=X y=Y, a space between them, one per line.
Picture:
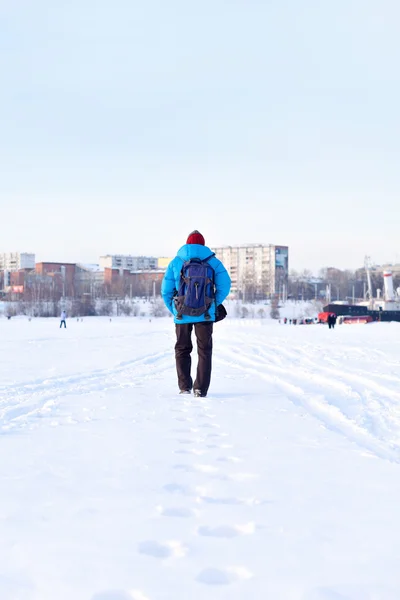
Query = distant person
x=193 y=289
x=331 y=321
x=63 y=319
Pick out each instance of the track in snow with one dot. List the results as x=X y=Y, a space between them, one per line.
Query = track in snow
x=20 y=403
x=343 y=394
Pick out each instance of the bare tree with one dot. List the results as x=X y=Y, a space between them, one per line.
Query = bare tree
x=158 y=308
x=274 y=313
x=250 y=289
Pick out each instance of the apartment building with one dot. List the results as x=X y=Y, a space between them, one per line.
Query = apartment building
x=15 y=261
x=128 y=262
x=256 y=270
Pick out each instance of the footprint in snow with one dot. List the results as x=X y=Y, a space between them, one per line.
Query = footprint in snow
x=172 y=549
x=194 y=440
x=224 y=576
x=205 y=416
x=227 y=531
x=176 y=488
x=230 y=459
x=221 y=446
x=232 y=501
x=191 y=451
x=185 y=490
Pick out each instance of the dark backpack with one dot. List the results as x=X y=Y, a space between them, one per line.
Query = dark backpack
x=196 y=291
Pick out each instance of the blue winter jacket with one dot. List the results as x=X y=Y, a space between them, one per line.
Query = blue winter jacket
x=172 y=277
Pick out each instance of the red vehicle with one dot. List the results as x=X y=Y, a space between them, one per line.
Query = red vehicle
x=323 y=317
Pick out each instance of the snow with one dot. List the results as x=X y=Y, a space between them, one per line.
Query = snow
x=282 y=484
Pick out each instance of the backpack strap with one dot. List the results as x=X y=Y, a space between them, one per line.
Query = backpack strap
x=186 y=280
x=206 y=260
x=207 y=314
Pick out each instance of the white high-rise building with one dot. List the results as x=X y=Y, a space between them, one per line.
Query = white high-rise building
x=256 y=270
x=128 y=262
x=14 y=261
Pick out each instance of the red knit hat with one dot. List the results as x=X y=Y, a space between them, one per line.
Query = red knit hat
x=195 y=238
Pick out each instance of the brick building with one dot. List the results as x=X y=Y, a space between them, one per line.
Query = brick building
x=63 y=275
x=147 y=283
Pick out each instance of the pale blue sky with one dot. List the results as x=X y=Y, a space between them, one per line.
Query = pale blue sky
x=124 y=125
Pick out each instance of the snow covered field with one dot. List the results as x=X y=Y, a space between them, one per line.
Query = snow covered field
x=283 y=484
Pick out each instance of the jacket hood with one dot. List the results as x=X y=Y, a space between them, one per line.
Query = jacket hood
x=189 y=251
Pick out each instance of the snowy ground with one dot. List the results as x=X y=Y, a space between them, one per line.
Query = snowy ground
x=283 y=484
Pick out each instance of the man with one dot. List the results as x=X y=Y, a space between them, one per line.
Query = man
x=63 y=317
x=209 y=292
x=331 y=321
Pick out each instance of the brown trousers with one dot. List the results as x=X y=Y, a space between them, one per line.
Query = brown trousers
x=183 y=349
